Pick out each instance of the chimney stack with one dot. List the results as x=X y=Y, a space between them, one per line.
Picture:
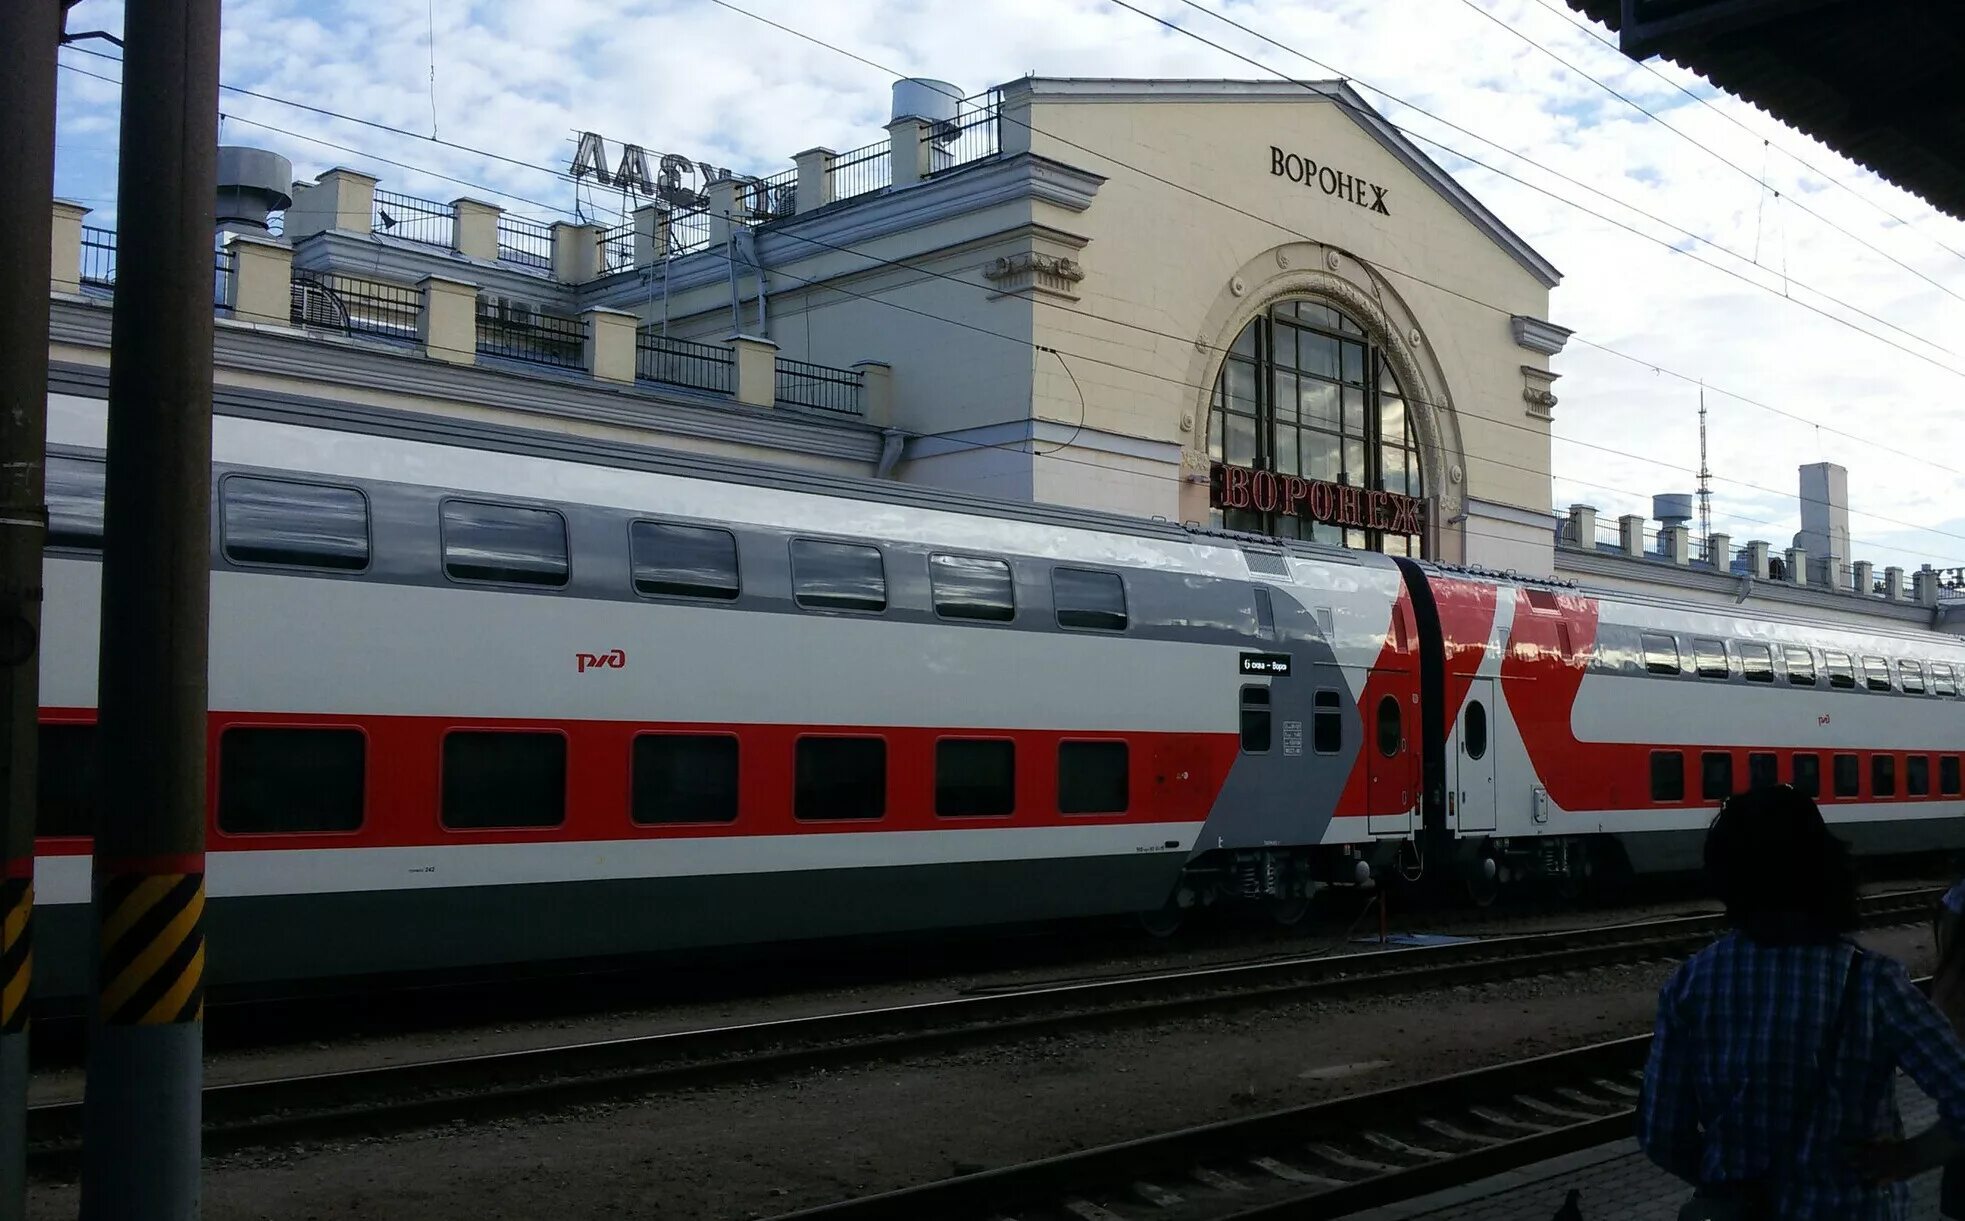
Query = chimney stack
x=1824 y=511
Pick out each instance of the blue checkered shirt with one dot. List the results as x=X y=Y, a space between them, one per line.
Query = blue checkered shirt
x=1741 y=1026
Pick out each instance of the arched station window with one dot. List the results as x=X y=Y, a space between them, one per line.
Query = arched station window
x=1306 y=391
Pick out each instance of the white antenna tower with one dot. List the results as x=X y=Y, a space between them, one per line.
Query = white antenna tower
x=1705 y=484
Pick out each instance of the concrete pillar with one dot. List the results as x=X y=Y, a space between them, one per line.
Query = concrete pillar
x=1797 y=570
x=1757 y=559
x=1924 y=583
x=1582 y=532
x=341 y=199
x=262 y=279
x=755 y=363
x=908 y=150
x=448 y=325
x=651 y=235
x=1630 y=530
x=474 y=228
x=814 y=178
x=1864 y=578
x=576 y=252
x=610 y=352
x=876 y=391
x=1675 y=543
x=65 y=247
x=1719 y=551
x=1013 y=118
x=1893 y=583
x=1830 y=566
x=725 y=208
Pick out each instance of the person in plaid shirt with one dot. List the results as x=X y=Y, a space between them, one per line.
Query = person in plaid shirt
x=1776 y=1049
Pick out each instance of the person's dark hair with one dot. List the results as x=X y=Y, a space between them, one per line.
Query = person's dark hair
x=1783 y=877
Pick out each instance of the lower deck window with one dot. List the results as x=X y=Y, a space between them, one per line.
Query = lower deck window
x=1092 y=778
x=68 y=780
x=1917 y=776
x=840 y=778
x=503 y=778
x=1948 y=776
x=1848 y=776
x=1667 y=775
x=1327 y=723
x=278 y=780
x=1715 y=775
x=1255 y=719
x=1808 y=775
x=975 y=777
x=684 y=778
x=1763 y=770
x=1883 y=775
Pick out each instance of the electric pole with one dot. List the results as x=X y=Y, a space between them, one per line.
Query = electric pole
x=141 y=1111
x=30 y=32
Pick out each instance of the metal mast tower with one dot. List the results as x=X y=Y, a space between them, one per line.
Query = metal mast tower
x=1705 y=483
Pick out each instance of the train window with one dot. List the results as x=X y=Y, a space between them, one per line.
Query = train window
x=507 y=543
x=970 y=588
x=1944 y=680
x=975 y=777
x=1842 y=671
x=1757 y=663
x=1667 y=775
x=1848 y=776
x=1801 y=666
x=74 y=495
x=290 y=780
x=1092 y=778
x=1473 y=729
x=840 y=778
x=1327 y=733
x=1255 y=719
x=683 y=778
x=1716 y=775
x=1660 y=653
x=1883 y=775
x=1388 y=726
x=837 y=576
x=494 y=778
x=68 y=779
x=1709 y=658
x=675 y=561
x=1917 y=776
x=1095 y=600
x=1911 y=675
x=1948 y=775
x=1876 y=673
x=1808 y=775
x=1265 y=612
x=1763 y=770
x=306 y=525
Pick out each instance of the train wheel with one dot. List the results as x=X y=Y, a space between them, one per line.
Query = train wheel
x=1287 y=913
x=1165 y=921
x=1483 y=882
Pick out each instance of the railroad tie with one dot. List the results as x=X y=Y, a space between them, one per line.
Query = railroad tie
x=1290 y=1174
x=1615 y=1087
x=1447 y=1130
x=1158 y=1197
x=1551 y=1109
x=1392 y=1144
x=1588 y=1100
x=1088 y=1211
x=1339 y=1157
x=1505 y=1121
x=1216 y=1179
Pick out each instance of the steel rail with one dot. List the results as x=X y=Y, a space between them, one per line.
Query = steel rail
x=393 y=1097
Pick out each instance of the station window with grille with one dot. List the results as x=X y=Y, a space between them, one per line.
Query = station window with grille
x=1917 y=776
x=1255 y=720
x=504 y=543
x=1305 y=390
x=69 y=780
x=1883 y=775
x=75 y=497
x=1948 y=775
x=1848 y=776
x=683 y=778
x=1090 y=601
x=1763 y=770
x=1660 y=653
x=676 y=561
x=840 y=778
x=838 y=576
x=971 y=587
x=1801 y=666
x=1092 y=778
x=498 y=778
x=975 y=777
x=294 y=524
x=284 y=780
x=1327 y=723
x=1808 y=775
x=1709 y=658
x=1667 y=775
x=1756 y=663
x=1841 y=669
x=1715 y=775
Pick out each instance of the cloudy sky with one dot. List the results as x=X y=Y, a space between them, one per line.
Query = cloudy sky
x=1815 y=250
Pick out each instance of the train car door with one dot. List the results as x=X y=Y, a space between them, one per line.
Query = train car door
x=1391 y=730
x=1473 y=759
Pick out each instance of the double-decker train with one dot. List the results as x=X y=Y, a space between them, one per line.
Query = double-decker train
x=484 y=696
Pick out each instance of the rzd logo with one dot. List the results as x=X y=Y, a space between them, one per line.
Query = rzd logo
x=615 y=660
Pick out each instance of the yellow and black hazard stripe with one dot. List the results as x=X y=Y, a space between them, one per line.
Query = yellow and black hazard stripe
x=16 y=951
x=153 y=948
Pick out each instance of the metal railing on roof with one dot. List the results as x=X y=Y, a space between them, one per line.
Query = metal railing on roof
x=413 y=219
x=98 y=256
x=862 y=170
x=356 y=307
x=683 y=362
x=617 y=248
x=540 y=339
x=527 y=243
x=821 y=387
x=223 y=269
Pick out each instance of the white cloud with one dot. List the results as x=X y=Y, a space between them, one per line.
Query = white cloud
x=690 y=76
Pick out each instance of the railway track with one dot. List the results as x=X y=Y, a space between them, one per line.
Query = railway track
x=396 y=1097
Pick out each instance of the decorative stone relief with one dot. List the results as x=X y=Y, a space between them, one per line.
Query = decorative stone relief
x=1536 y=392
x=1030 y=271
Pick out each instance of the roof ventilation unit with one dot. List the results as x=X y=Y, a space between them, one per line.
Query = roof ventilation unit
x=937 y=103
x=252 y=182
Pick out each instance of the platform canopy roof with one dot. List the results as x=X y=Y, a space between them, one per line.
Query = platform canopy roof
x=1880 y=81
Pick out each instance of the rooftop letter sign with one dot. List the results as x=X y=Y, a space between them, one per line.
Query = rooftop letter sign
x=673 y=180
